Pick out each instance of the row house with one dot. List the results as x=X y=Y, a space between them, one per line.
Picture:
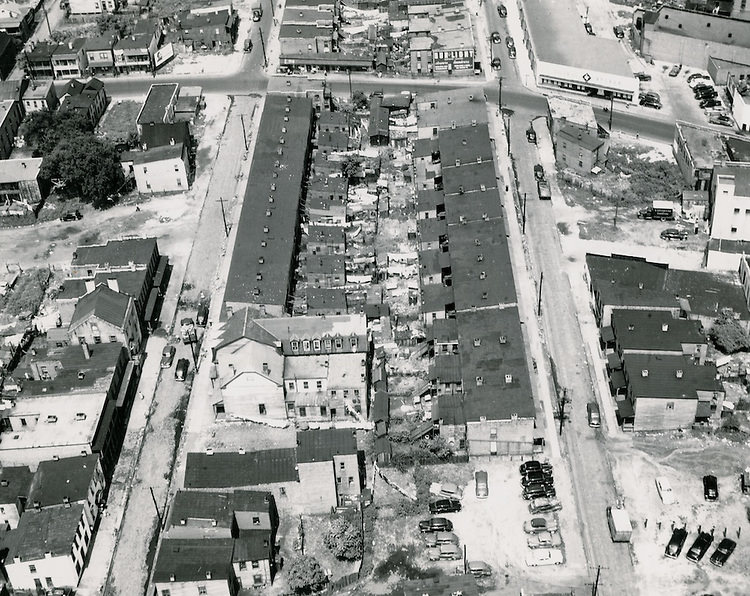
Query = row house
x=93 y=7
x=89 y=98
x=99 y=54
x=135 y=53
x=69 y=60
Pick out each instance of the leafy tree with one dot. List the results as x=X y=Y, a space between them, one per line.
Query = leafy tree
x=360 y=100
x=114 y=23
x=344 y=539
x=729 y=335
x=87 y=167
x=305 y=575
x=351 y=166
x=43 y=130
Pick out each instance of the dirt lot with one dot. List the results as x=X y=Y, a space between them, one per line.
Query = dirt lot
x=684 y=458
x=491 y=529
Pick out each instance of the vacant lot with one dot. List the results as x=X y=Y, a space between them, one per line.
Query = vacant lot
x=684 y=458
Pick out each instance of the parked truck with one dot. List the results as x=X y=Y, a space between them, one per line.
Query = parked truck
x=662 y=210
x=543 y=188
x=187 y=330
x=257 y=11
x=620 y=527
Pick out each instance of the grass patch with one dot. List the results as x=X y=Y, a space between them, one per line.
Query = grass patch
x=28 y=293
x=118 y=123
x=402 y=563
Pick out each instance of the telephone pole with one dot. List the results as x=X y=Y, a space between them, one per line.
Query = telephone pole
x=539 y=300
x=224 y=216
x=611 y=109
x=563 y=401
x=595 y=587
x=158 y=513
x=523 y=215
x=263 y=46
x=244 y=132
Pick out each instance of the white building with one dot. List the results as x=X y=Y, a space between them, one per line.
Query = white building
x=730 y=203
x=92 y=6
x=49 y=549
x=162 y=169
x=739 y=91
x=564 y=56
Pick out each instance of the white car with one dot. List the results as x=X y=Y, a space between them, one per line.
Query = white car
x=544 y=556
x=544 y=540
x=446 y=489
x=664 y=488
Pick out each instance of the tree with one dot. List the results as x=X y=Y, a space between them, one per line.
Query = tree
x=114 y=23
x=360 y=100
x=88 y=168
x=351 y=165
x=305 y=575
x=729 y=335
x=344 y=539
x=43 y=130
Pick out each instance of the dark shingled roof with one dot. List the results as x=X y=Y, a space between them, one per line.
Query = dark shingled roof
x=322 y=445
x=228 y=469
x=103 y=303
x=68 y=477
x=154 y=108
x=219 y=506
x=654 y=330
x=662 y=380
x=447 y=585
x=252 y=545
x=50 y=530
x=116 y=253
x=190 y=559
x=159 y=134
x=14 y=482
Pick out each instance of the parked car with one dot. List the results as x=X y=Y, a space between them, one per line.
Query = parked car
x=705 y=94
x=544 y=505
x=710 y=103
x=449 y=552
x=496 y=63
x=532 y=465
x=619 y=32
x=723 y=552
x=181 y=370
x=650 y=94
x=544 y=556
x=721 y=119
x=538 y=489
x=495 y=37
x=592 y=411
x=675 y=70
x=479 y=569
x=676 y=542
x=512 y=53
x=531 y=135
x=696 y=76
x=700 y=86
x=509 y=42
x=642 y=76
x=248 y=45
x=664 y=488
x=589 y=28
x=540 y=524
x=201 y=317
x=710 y=488
x=538 y=172
x=699 y=547
x=446 y=489
x=438 y=538
x=537 y=477
x=745 y=483
x=481 y=484
x=436 y=524
x=502 y=11
x=445 y=506
x=71 y=216
x=167 y=356
x=674 y=234
x=650 y=103
x=544 y=540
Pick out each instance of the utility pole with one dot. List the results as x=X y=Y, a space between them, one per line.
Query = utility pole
x=539 y=300
x=523 y=215
x=46 y=18
x=617 y=208
x=263 y=46
x=611 y=109
x=595 y=587
x=224 y=216
x=158 y=514
x=351 y=93
x=273 y=13
x=244 y=132
x=508 y=135
x=499 y=92
x=563 y=401
x=194 y=340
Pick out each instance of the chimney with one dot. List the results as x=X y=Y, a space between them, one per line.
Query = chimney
x=665 y=327
x=86 y=350
x=23 y=163
x=90 y=285
x=171 y=141
x=678 y=374
x=70 y=45
x=644 y=372
x=113 y=285
x=208 y=575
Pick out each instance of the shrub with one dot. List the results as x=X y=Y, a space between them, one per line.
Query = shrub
x=305 y=575
x=344 y=539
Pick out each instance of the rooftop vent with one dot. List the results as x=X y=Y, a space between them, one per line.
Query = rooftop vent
x=665 y=327
x=482 y=275
x=678 y=374
x=209 y=451
x=631 y=327
x=477 y=342
x=508 y=378
x=480 y=258
x=644 y=372
x=503 y=339
x=480 y=381
x=80 y=416
x=51 y=419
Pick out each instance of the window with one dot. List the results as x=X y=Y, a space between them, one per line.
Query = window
x=97 y=339
x=319 y=384
x=328 y=344
x=202 y=590
x=305 y=385
x=179 y=182
x=339 y=343
x=356 y=393
x=670 y=405
x=333 y=393
x=303 y=411
x=48 y=581
x=166 y=593
x=306 y=345
x=295 y=345
x=316 y=345
x=176 y=168
x=255 y=564
x=351 y=480
x=32 y=568
x=323 y=410
x=256 y=521
x=261 y=409
x=112 y=339
x=257 y=580
x=736 y=211
x=353 y=342
x=243 y=565
x=290 y=385
x=342 y=465
x=734 y=230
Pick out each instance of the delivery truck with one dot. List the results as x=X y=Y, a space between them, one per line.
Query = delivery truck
x=620 y=528
x=543 y=188
x=662 y=210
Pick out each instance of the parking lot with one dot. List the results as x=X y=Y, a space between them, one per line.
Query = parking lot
x=684 y=459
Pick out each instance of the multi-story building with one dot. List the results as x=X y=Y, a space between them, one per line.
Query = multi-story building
x=308 y=368
x=106 y=316
x=730 y=202
x=15 y=482
x=92 y=7
x=17 y=20
x=99 y=54
x=38 y=60
x=89 y=98
x=116 y=255
x=11 y=116
x=159 y=105
x=40 y=96
x=739 y=94
x=69 y=59
x=204 y=30
x=8 y=51
x=21 y=182
x=162 y=169
x=135 y=53
x=195 y=566
x=440 y=39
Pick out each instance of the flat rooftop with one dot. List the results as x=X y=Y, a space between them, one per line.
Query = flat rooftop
x=704 y=144
x=159 y=97
x=574 y=111
x=558 y=36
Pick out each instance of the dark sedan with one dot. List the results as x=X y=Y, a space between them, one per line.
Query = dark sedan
x=699 y=548
x=537 y=490
x=502 y=11
x=435 y=524
x=674 y=548
x=710 y=488
x=538 y=476
x=532 y=465
x=445 y=506
x=723 y=552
